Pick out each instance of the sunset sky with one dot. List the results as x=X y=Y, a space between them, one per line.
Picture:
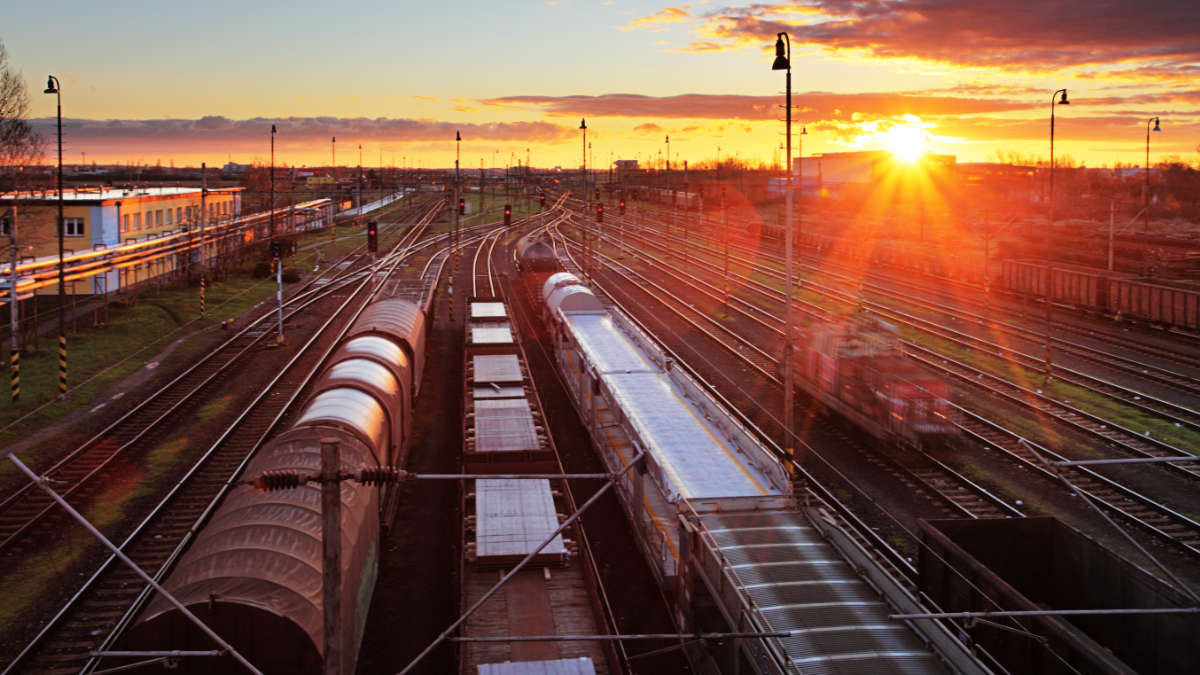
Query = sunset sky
x=188 y=82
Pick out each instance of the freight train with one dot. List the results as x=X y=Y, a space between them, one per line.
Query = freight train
x=856 y=370
x=715 y=516
x=1155 y=302
x=254 y=572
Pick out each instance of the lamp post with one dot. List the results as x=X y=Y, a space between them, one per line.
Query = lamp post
x=1146 y=190
x=783 y=61
x=53 y=87
x=583 y=128
x=457 y=190
x=1048 y=366
x=271 y=235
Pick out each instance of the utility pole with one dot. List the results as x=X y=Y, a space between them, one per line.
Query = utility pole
x=14 y=318
x=331 y=554
x=203 y=195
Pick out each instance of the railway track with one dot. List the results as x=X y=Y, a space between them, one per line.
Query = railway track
x=1157 y=519
x=111 y=596
x=1110 y=433
x=1166 y=367
x=809 y=490
x=957 y=495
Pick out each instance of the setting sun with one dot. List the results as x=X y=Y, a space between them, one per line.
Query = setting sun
x=906 y=143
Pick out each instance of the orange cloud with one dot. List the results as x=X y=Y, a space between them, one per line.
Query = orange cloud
x=654 y=22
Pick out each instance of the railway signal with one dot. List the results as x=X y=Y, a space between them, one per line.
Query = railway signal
x=507 y=215
x=622 y=207
x=462 y=206
x=597 y=193
x=599 y=213
x=542 y=201
x=372 y=236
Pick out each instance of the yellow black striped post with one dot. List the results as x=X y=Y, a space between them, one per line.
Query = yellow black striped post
x=62 y=366
x=201 y=296
x=15 y=367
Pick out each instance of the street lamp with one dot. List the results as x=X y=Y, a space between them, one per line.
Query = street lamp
x=1146 y=191
x=1046 y=239
x=583 y=128
x=457 y=156
x=53 y=87
x=783 y=61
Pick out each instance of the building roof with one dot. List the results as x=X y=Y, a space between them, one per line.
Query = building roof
x=110 y=195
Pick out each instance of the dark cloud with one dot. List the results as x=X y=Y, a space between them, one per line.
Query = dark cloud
x=223 y=132
x=715 y=106
x=648 y=128
x=1053 y=34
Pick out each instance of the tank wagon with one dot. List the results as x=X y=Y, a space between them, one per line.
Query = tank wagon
x=856 y=370
x=534 y=255
x=505 y=518
x=714 y=514
x=254 y=572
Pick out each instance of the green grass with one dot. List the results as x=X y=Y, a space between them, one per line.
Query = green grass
x=37 y=572
x=1069 y=394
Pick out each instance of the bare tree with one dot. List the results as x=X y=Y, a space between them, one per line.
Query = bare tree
x=19 y=143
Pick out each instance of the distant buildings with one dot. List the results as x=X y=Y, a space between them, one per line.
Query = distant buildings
x=836 y=170
x=99 y=218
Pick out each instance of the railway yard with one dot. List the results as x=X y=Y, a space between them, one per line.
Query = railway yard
x=562 y=442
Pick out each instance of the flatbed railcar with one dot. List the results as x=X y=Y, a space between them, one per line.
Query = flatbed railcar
x=254 y=572
x=505 y=519
x=716 y=516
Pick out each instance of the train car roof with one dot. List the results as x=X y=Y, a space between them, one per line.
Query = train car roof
x=573 y=299
x=695 y=457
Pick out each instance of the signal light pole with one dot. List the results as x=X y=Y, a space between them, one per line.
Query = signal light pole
x=271 y=234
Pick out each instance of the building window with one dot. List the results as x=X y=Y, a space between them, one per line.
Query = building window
x=137 y=222
x=125 y=223
x=158 y=218
x=170 y=213
x=179 y=215
x=72 y=227
x=5 y=227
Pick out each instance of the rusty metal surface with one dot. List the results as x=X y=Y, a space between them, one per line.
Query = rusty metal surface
x=401 y=320
x=352 y=408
